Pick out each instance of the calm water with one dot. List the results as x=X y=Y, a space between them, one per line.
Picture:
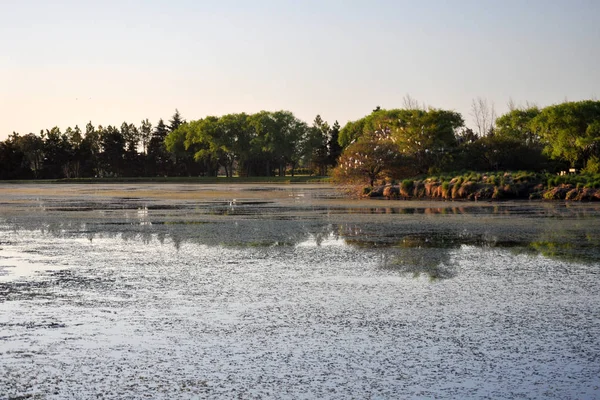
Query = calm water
x=291 y=292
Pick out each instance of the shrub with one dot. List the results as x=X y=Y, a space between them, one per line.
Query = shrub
x=391 y=192
x=498 y=193
x=445 y=190
x=592 y=166
x=407 y=185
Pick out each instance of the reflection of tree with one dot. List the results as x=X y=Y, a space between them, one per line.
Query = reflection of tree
x=568 y=245
x=415 y=246
x=432 y=262
x=422 y=255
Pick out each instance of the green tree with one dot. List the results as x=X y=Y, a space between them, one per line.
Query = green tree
x=113 y=151
x=13 y=164
x=570 y=131
x=57 y=154
x=89 y=151
x=517 y=124
x=32 y=148
x=131 y=136
x=334 y=148
x=368 y=159
x=316 y=146
x=158 y=157
x=351 y=132
x=277 y=139
x=176 y=121
x=233 y=143
x=145 y=134
x=201 y=141
x=428 y=137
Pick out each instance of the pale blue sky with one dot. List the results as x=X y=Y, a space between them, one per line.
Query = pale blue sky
x=67 y=62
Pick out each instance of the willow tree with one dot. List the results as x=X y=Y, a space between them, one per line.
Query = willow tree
x=368 y=159
x=425 y=136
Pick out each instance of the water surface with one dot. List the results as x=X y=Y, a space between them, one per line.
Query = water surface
x=291 y=291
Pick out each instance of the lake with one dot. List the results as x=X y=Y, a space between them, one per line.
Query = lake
x=293 y=291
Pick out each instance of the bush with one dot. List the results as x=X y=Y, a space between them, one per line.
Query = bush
x=407 y=185
x=592 y=166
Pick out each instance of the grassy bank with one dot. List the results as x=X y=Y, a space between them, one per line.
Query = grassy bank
x=493 y=186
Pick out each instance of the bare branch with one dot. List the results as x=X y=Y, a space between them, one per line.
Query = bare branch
x=484 y=115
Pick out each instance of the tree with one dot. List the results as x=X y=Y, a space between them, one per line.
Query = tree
x=145 y=134
x=278 y=137
x=517 y=124
x=351 y=132
x=411 y=103
x=335 y=150
x=113 y=151
x=131 y=136
x=233 y=142
x=158 y=157
x=176 y=121
x=484 y=116
x=32 y=148
x=176 y=144
x=89 y=151
x=200 y=140
x=570 y=131
x=315 y=148
x=368 y=159
x=13 y=164
x=425 y=136
x=57 y=154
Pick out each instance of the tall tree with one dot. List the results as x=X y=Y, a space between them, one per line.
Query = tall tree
x=145 y=134
x=13 y=164
x=427 y=137
x=334 y=148
x=517 y=124
x=484 y=116
x=176 y=121
x=570 y=131
x=370 y=158
x=316 y=145
x=32 y=148
x=57 y=154
x=131 y=136
x=113 y=151
x=158 y=156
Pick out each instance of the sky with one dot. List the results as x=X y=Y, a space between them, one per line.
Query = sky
x=67 y=62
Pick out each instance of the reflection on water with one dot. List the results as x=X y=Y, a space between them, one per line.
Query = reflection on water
x=269 y=300
x=410 y=240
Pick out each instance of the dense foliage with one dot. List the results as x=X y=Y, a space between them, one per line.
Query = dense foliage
x=261 y=144
x=431 y=141
x=386 y=144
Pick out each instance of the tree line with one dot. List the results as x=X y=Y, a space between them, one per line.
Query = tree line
x=414 y=140
x=261 y=144
x=420 y=141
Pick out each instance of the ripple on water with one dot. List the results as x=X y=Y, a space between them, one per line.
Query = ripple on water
x=298 y=308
